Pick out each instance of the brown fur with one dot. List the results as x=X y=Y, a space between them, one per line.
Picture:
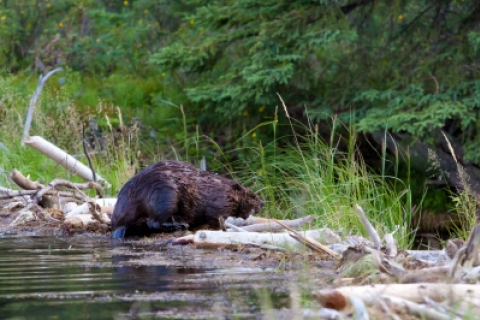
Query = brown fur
x=179 y=193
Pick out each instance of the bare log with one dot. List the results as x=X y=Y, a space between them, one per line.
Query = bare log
x=63 y=158
x=216 y=239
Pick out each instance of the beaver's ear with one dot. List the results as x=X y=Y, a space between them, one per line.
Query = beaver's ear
x=236 y=186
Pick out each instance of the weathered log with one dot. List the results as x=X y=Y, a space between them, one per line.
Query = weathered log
x=62 y=158
x=216 y=239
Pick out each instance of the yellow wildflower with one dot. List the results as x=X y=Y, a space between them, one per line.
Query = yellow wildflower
x=3 y=17
x=192 y=21
x=254 y=135
x=245 y=113
x=125 y=2
x=400 y=16
x=60 y=25
x=261 y=109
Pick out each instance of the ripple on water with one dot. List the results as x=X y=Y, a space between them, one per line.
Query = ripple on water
x=86 y=278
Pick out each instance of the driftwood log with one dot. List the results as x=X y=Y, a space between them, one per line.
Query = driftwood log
x=216 y=239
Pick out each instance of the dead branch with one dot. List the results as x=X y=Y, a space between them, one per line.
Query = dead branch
x=10 y=193
x=370 y=229
x=33 y=102
x=309 y=242
x=23 y=182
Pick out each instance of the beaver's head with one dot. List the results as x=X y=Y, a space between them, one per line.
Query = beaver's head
x=248 y=203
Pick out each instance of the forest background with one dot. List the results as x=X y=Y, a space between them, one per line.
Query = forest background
x=390 y=86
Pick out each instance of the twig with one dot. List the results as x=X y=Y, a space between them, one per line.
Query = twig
x=85 y=151
x=33 y=101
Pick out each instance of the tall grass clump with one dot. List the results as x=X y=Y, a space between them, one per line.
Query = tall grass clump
x=465 y=201
x=311 y=176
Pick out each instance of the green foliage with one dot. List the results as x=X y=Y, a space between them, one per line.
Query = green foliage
x=405 y=66
x=237 y=54
x=89 y=36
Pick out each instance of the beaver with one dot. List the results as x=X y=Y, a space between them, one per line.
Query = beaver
x=174 y=193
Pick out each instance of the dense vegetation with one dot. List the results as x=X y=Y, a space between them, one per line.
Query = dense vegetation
x=398 y=73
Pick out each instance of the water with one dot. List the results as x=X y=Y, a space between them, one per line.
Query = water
x=92 y=278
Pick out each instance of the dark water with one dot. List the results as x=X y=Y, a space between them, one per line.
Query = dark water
x=86 y=278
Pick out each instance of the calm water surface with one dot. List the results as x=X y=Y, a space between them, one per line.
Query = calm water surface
x=86 y=278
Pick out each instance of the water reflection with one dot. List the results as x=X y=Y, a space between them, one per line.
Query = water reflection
x=86 y=278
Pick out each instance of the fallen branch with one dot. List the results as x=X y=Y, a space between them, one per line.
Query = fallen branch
x=23 y=182
x=309 y=242
x=33 y=102
x=63 y=158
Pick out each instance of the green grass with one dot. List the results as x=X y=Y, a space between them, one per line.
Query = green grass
x=310 y=176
